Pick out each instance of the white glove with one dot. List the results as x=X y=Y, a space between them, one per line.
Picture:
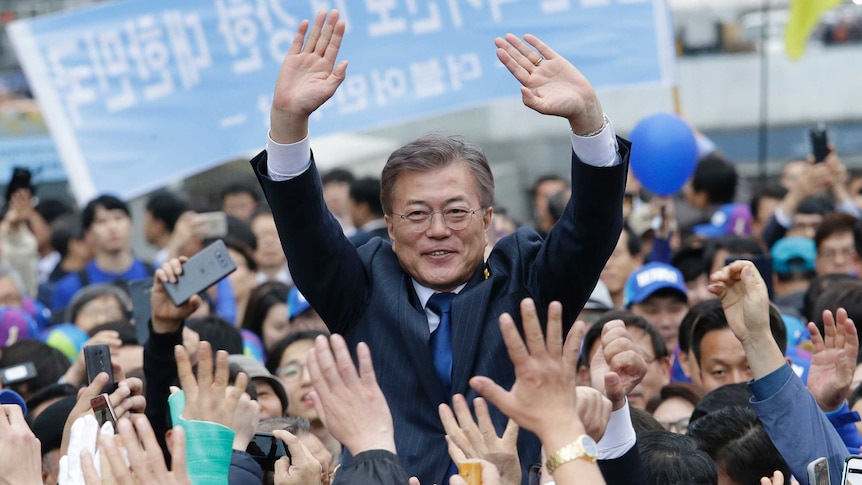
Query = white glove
x=83 y=436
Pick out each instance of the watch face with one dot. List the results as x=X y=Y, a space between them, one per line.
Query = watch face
x=590 y=447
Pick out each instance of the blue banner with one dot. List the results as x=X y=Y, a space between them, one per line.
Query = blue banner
x=137 y=94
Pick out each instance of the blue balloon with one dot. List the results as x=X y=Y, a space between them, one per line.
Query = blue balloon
x=664 y=153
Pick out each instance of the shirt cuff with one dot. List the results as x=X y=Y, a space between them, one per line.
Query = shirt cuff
x=284 y=162
x=769 y=385
x=783 y=219
x=848 y=207
x=600 y=150
x=619 y=436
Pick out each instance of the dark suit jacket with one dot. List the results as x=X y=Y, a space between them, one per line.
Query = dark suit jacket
x=363 y=237
x=365 y=295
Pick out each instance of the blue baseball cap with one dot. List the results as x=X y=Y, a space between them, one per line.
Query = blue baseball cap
x=648 y=279
x=296 y=304
x=728 y=219
x=793 y=254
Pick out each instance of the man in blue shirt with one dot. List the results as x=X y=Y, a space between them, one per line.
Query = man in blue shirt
x=108 y=226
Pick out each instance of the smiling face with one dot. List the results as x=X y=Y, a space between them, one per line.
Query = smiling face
x=439 y=258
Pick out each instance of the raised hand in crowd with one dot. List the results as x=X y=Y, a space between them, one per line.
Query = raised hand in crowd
x=308 y=77
x=490 y=476
x=618 y=366
x=745 y=300
x=595 y=411
x=777 y=479
x=20 y=458
x=469 y=439
x=350 y=403
x=301 y=468
x=543 y=398
x=76 y=375
x=209 y=397
x=245 y=421
x=168 y=317
x=550 y=84
x=833 y=359
x=127 y=398
x=136 y=442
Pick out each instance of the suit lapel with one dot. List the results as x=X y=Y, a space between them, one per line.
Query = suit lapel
x=414 y=329
x=468 y=313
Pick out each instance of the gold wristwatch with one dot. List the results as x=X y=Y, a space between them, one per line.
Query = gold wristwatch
x=583 y=447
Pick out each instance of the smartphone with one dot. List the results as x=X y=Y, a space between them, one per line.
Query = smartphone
x=266 y=449
x=103 y=410
x=97 y=358
x=470 y=471
x=210 y=225
x=141 y=291
x=17 y=373
x=819 y=143
x=203 y=270
x=818 y=472
x=852 y=474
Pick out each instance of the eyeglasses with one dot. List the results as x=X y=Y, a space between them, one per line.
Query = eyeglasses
x=456 y=218
x=290 y=371
x=681 y=425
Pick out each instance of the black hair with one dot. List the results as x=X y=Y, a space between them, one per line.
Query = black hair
x=52 y=208
x=262 y=298
x=691 y=261
x=167 y=207
x=674 y=459
x=105 y=201
x=239 y=188
x=836 y=223
x=716 y=177
x=50 y=364
x=682 y=390
x=815 y=204
x=594 y=334
x=737 y=394
x=854 y=396
x=367 y=191
x=557 y=203
x=46 y=394
x=273 y=359
x=768 y=191
x=337 y=175
x=633 y=241
x=220 y=333
x=240 y=230
x=65 y=229
x=820 y=285
x=738 y=443
x=715 y=319
x=643 y=421
x=690 y=318
x=848 y=296
x=735 y=246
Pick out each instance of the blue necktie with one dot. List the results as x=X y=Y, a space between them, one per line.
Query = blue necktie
x=441 y=339
x=441 y=350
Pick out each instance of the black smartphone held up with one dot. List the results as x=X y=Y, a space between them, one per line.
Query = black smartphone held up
x=852 y=474
x=17 y=373
x=818 y=472
x=266 y=449
x=203 y=270
x=97 y=358
x=141 y=291
x=819 y=143
x=103 y=410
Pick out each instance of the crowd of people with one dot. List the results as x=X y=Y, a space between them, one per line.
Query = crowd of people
x=625 y=338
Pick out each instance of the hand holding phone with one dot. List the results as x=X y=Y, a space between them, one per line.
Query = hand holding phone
x=203 y=270
x=97 y=358
x=819 y=143
x=852 y=474
x=103 y=410
x=266 y=449
x=210 y=225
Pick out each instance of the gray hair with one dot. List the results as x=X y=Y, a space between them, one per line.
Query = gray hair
x=434 y=152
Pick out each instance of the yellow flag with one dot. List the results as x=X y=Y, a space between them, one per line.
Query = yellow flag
x=804 y=15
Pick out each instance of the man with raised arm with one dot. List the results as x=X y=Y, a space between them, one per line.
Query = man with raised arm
x=427 y=304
